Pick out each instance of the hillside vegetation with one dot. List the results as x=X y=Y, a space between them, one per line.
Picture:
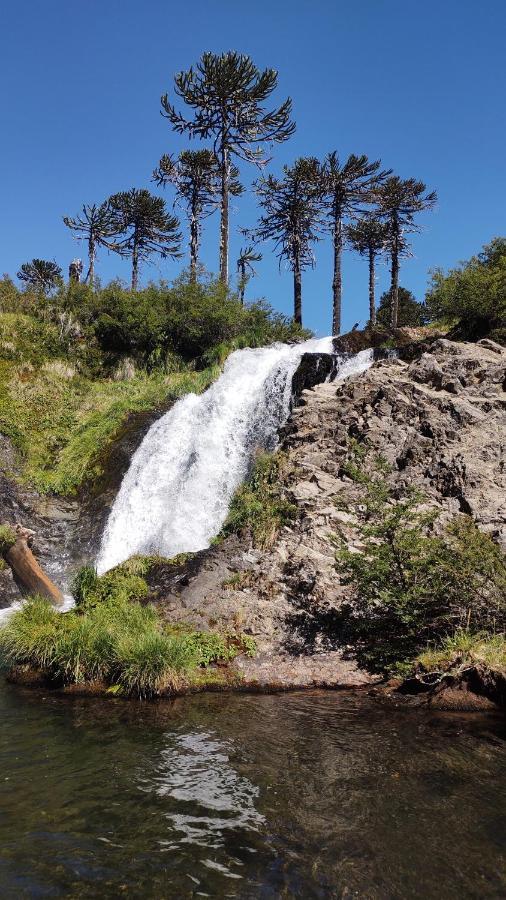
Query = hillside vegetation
x=73 y=367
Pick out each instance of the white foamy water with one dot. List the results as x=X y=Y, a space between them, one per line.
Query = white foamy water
x=176 y=494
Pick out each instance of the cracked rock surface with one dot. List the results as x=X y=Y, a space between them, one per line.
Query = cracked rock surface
x=439 y=420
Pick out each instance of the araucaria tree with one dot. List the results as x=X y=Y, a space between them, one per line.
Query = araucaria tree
x=40 y=274
x=368 y=237
x=292 y=218
x=97 y=225
x=196 y=177
x=147 y=226
x=347 y=187
x=247 y=256
x=227 y=94
x=398 y=202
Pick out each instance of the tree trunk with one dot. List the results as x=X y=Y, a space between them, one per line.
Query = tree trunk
x=225 y=176
x=90 y=278
x=372 y=303
x=194 y=238
x=394 y=286
x=135 y=264
x=26 y=570
x=337 y=280
x=242 y=283
x=297 y=288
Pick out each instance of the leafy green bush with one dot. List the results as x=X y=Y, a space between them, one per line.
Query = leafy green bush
x=259 y=505
x=474 y=294
x=411 y=585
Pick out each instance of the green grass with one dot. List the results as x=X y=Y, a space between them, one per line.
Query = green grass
x=60 y=422
x=259 y=505
x=121 y=643
x=116 y=637
x=465 y=647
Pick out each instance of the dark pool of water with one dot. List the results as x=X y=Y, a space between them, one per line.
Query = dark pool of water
x=300 y=795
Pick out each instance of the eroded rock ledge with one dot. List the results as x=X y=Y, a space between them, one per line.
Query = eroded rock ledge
x=438 y=420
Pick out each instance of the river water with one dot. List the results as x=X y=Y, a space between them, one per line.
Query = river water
x=310 y=795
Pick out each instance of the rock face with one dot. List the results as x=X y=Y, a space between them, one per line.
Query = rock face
x=438 y=419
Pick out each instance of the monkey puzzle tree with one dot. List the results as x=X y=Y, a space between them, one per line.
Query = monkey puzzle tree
x=147 y=226
x=195 y=174
x=96 y=225
x=368 y=237
x=245 y=260
x=292 y=218
x=398 y=202
x=347 y=187
x=227 y=94
x=40 y=274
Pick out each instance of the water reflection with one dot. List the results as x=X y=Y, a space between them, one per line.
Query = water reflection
x=211 y=797
x=305 y=795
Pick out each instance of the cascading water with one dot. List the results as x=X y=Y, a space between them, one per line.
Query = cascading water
x=176 y=494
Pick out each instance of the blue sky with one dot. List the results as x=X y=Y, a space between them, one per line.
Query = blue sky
x=418 y=84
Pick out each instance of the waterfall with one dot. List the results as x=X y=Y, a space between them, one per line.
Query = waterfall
x=175 y=496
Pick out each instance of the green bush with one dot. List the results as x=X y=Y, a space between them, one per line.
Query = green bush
x=411 y=585
x=474 y=295
x=259 y=505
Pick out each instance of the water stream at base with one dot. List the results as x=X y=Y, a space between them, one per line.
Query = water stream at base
x=176 y=494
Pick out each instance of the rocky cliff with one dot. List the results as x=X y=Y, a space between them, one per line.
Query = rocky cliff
x=437 y=417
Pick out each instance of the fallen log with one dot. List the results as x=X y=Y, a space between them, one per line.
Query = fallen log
x=29 y=576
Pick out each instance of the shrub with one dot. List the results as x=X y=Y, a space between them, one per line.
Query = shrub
x=474 y=294
x=259 y=505
x=411 y=585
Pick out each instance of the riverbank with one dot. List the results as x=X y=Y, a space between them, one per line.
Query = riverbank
x=292 y=569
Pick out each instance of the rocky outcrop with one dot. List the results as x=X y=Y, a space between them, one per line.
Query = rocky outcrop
x=437 y=419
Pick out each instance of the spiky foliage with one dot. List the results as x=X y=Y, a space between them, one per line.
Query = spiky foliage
x=96 y=225
x=292 y=218
x=195 y=174
x=247 y=256
x=398 y=202
x=227 y=94
x=368 y=237
x=148 y=227
x=42 y=275
x=348 y=187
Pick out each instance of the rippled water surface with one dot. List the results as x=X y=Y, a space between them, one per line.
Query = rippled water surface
x=301 y=795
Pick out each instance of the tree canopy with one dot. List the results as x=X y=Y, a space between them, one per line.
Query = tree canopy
x=147 y=226
x=227 y=94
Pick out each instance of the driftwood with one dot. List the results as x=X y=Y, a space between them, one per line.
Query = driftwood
x=29 y=576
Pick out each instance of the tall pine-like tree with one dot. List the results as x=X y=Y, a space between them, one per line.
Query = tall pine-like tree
x=227 y=94
x=196 y=177
x=40 y=274
x=398 y=202
x=147 y=226
x=97 y=225
x=369 y=237
x=292 y=218
x=247 y=256
x=348 y=188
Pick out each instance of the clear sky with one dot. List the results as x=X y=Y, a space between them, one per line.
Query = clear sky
x=419 y=84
